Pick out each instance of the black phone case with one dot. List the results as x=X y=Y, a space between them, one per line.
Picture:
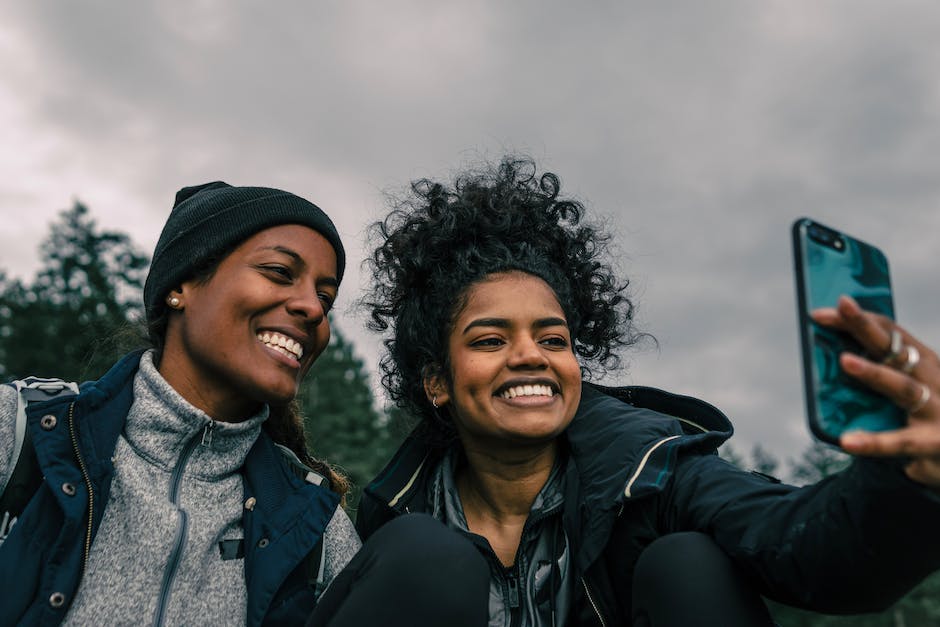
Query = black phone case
x=827 y=264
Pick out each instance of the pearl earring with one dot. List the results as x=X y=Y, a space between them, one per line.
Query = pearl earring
x=173 y=302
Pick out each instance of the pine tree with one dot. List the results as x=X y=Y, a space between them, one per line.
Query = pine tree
x=818 y=462
x=763 y=461
x=343 y=426
x=88 y=288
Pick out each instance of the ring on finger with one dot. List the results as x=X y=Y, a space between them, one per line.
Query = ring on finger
x=924 y=398
x=897 y=345
x=911 y=359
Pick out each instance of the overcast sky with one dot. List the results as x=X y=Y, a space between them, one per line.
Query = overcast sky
x=698 y=130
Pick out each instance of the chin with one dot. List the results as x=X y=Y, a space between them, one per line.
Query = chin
x=277 y=394
x=539 y=436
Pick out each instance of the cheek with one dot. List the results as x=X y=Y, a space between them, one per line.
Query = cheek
x=569 y=368
x=475 y=376
x=323 y=335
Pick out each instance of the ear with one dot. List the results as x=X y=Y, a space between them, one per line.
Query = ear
x=435 y=387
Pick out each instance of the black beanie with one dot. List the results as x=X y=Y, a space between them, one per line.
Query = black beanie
x=213 y=218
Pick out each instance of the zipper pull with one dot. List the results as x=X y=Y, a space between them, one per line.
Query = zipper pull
x=207 y=435
x=513 y=592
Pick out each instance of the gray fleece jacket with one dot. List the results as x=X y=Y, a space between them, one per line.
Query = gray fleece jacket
x=132 y=571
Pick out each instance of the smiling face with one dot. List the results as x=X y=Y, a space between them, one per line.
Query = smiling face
x=249 y=333
x=513 y=376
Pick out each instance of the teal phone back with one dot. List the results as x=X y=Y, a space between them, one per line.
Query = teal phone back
x=829 y=264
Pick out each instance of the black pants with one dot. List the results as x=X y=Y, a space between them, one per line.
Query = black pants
x=684 y=579
x=412 y=571
x=416 y=571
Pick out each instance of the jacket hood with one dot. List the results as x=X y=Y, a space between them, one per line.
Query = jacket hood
x=625 y=443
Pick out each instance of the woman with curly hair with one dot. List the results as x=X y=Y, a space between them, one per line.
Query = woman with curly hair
x=607 y=506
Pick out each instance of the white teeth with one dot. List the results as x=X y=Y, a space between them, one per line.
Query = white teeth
x=528 y=390
x=282 y=344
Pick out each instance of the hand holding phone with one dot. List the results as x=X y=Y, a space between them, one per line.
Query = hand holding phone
x=828 y=264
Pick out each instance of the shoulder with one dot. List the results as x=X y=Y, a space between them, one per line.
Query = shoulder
x=340 y=543
x=8 y=401
x=648 y=403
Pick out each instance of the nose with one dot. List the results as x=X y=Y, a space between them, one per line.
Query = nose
x=526 y=353
x=306 y=304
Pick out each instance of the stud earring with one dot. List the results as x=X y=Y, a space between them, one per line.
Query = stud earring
x=173 y=302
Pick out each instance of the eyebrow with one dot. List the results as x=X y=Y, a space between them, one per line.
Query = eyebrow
x=503 y=323
x=290 y=252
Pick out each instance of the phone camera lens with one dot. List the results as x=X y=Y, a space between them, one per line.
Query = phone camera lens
x=820 y=234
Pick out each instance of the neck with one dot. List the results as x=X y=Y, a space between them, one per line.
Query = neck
x=503 y=488
x=215 y=401
x=497 y=492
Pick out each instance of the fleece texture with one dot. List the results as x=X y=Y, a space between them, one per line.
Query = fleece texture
x=176 y=494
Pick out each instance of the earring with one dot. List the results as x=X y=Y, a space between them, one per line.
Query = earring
x=173 y=302
x=434 y=401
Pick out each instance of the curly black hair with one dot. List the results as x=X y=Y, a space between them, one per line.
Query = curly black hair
x=438 y=241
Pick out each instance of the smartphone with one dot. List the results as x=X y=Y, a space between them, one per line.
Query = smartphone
x=827 y=264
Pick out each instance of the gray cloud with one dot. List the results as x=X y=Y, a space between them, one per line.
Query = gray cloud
x=697 y=131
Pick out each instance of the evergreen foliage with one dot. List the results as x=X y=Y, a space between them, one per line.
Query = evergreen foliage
x=818 y=462
x=342 y=424
x=66 y=321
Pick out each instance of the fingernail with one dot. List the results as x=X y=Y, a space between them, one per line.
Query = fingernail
x=852 y=363
x=847 y=301
x=853 y=439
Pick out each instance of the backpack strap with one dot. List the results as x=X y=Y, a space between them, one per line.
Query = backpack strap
x=25 y=479
x=315 y=562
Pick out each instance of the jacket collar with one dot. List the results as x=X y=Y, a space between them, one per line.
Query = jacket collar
x=624 y=444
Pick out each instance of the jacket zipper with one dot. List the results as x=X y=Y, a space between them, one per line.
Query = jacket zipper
x=597 y=611
x=512 y=578
x=91 y=493
x=169 y=573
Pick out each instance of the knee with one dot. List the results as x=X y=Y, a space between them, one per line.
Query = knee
x=677 y=554
x=435 y=572
x=425 y=551
x=685 y=577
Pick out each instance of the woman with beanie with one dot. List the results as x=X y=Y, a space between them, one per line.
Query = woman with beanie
x=609 y=506
x=177 y=488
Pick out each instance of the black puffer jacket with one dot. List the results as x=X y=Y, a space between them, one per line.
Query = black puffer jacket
x=646 y=466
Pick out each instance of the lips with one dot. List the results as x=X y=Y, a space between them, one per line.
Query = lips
x=282 y=344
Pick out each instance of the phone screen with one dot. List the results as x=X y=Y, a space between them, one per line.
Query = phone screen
x=828 y=264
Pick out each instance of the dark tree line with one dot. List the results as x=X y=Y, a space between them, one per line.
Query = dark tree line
x=66 y=322
x=82 y=311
